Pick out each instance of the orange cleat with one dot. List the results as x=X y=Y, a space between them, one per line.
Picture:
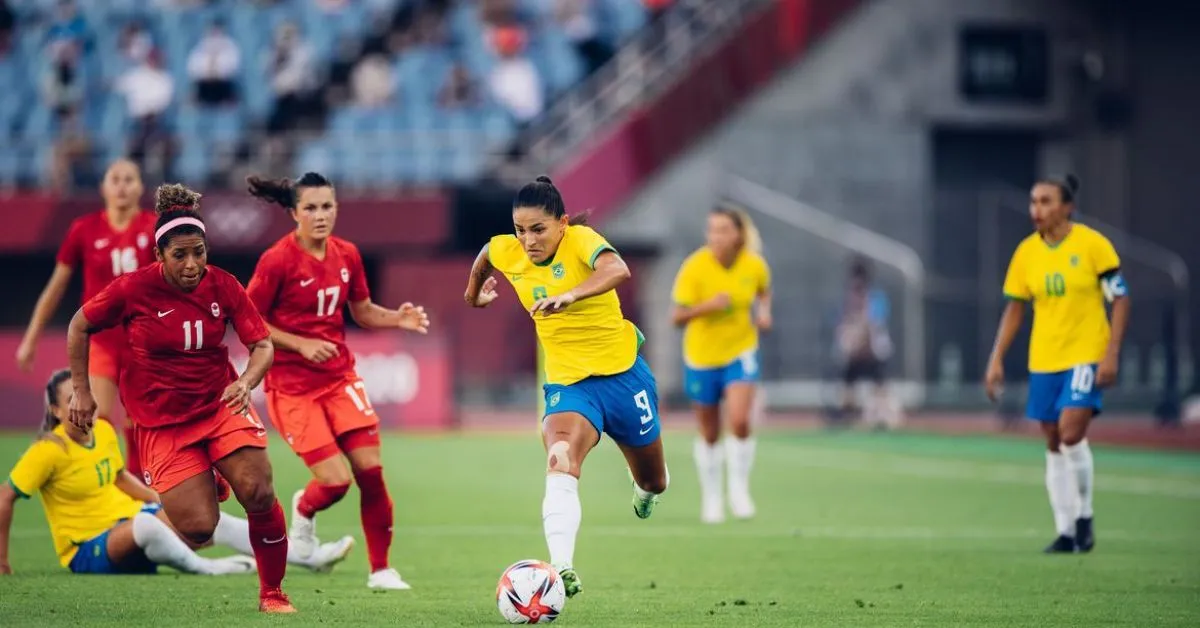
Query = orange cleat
x=275 y=601
x=222 y=487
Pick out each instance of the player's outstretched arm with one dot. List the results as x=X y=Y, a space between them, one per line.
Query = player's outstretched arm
x=481 y=285
x=313 y=349
x=47 y=304
x=1010 y=323
x=8 y=497
x=610 y=271
x=371 y=315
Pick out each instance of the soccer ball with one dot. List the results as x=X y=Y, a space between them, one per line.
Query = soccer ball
x=530 y=592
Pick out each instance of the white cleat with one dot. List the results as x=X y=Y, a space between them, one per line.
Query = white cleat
x=712 y=510
x=231 y=565
x=328 y=555
x=741 y=505
x=303 y=534
x=388 y=579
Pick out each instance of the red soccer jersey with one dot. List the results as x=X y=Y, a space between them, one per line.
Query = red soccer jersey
x=177 y=364
x=104 y=253
x=303 y=295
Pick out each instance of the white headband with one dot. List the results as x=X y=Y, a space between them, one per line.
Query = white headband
x=177 y=222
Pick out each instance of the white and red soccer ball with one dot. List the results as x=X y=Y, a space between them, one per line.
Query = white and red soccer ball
x=530 y=592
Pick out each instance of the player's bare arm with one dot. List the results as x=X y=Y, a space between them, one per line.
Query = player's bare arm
x=83 y=406
x=135 y=489
x=237 y=394
x=763 y=318
x=611 y=271
x=313 y=349
x=47 y=303
x=481 y=285
x=8 y=497
x=681 y=314
x=1106 y=373
x=1010 y=323
x=371 y=315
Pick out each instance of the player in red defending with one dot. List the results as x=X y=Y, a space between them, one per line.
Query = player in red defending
x=105 y=244
x=192 y=410
x=314 y=396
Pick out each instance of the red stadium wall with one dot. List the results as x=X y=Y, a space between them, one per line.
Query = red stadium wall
x=618 y=163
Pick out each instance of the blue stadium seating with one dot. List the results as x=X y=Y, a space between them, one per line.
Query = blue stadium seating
x=411 y=140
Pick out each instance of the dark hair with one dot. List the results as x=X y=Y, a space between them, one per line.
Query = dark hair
x=175 y=200
x=285 y=192
x=542 y=193
x=860 y=268
x=49 y=421
x=1067 y=184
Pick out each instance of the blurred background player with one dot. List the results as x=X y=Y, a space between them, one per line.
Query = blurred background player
x=106 y=245
x=192 y=410
x=863 y=346
x=314 y=396
x=716 y=292
x=1068 y=271
x=565 y=275
x=105 y=521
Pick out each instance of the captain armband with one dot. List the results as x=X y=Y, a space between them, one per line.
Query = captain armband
x=1112 y=284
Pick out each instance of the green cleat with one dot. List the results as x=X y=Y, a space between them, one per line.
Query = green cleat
x=571 y=581
x=643 y=502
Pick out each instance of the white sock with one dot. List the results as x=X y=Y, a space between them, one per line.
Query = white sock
x=739 y=454
x=1064 y=496
x=234 y=533
x=561 y=515
x=1079 y=458
x=163 y=547
x=709 y=459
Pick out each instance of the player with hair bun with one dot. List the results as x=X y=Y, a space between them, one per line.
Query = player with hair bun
x=722 y=298
x=315 y=398
x=191 y=408
x=1069 y=272
x=565 y=275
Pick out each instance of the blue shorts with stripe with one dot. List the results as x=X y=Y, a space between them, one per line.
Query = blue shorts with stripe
x=92 y=555
x=707 y=386
x=624 y=406
x=1050 y=393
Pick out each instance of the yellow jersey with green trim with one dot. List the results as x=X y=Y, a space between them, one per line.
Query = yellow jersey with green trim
x=589 y=337
x=76 y=484
x=718 y=338
x=1070 y=322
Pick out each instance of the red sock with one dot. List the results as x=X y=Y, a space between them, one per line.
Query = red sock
x=133 y=459
x=376 y=509
x=268 y=537
x=318 y=497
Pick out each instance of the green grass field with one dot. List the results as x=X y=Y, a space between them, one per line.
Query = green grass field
x=854 y=530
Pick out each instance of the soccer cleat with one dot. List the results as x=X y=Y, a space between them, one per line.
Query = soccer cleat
x=275 y=601
x=643 y=503
x=328 y=555
x=388 y=579
x=1062 y=545
x=571 y=582
x=1085 y=538
x=223 y=489
x=233 y=565
x=303 y=534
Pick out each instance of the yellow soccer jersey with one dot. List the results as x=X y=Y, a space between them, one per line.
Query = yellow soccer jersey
x=717 y=339
x=590 y=337
x=76 y=484
x=1070 y=323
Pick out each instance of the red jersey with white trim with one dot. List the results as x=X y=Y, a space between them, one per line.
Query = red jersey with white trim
x=105 y=253
x=303 y=295
x=176 y=365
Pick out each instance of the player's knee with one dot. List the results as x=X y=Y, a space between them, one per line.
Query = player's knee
x=1071 y=437
x=196 y=530
x=259 y=496
x=558 y=458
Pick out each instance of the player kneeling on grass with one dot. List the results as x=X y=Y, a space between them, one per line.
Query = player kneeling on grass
x=566 y=275
x=102 y=519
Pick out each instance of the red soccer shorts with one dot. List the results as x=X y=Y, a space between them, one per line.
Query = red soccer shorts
x=314 y=425
x=174 y=453
x=104 y=353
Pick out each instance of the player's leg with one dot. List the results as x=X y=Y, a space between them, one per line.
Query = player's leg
x=136 y=545
x=305 y=426
x=703 y=387
x=234 y=533
x=375 y=505
x=1080 y=405
x=630 y=405
x=570 y=430
x=740 y=446
x=1042 y=406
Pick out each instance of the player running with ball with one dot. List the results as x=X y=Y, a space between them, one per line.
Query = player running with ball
x=565 y=275
x=1068 y=271
x=315 y=398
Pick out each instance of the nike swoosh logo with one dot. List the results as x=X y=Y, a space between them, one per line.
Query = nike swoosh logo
x=645 y=431
x=278 y=540
x=305 y=282
x=162 y=314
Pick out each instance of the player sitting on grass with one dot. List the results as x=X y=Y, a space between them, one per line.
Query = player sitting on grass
x=102 y=519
